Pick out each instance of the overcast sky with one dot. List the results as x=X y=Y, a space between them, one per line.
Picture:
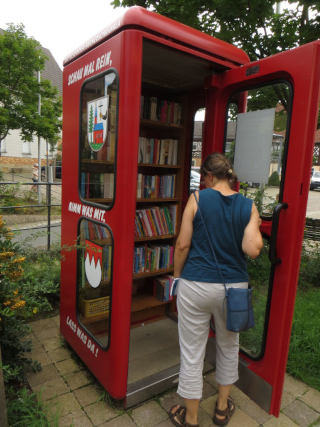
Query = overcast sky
x=60 y=25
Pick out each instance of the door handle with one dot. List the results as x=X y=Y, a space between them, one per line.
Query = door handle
x=274 y=232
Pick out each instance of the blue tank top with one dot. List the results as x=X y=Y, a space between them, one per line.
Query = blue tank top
x=226 y=217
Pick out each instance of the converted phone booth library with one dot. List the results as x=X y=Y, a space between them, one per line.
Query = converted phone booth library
x=130 y=97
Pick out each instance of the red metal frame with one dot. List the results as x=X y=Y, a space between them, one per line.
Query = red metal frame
x=301 y=68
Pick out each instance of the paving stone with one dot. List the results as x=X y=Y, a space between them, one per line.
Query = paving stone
x=239 y=397
x=293 y=386
x=59 y=354
x=122 y=421
x=166 y=423
x=281 y=421
x=35 y=343
x=47 y=373
x=43 y=324
x=209 y=404
x=65 y=404
x=286 y=399
x=168 y=400
x=254 y=411
x=78 y=379
x=40 y=355
x=47 y=333
x=88 y=395
x=51 y=389
x=56 y=320
x=75 y=421
x=312 y=398
x=100 y=412
x=149 y=414
x=240 y=418
x=204 y=419
x=68 y=366
x=300 y=413
x=52 y=343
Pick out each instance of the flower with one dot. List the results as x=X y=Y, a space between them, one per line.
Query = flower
x=6 y=303
x=35 y=310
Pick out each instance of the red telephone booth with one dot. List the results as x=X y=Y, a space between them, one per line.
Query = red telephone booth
x=130 y=96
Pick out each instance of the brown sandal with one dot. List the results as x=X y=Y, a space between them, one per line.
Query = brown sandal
x=227 y=413
x=178 y=416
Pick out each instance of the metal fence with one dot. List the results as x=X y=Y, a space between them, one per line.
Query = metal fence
x=48 y=205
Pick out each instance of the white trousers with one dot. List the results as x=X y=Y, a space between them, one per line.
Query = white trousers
x=196 y=303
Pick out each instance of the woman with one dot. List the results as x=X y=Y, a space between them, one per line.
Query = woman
x=233 y=224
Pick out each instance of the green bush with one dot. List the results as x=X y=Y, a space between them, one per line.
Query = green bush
x=274 y=180
x=27 y=409
x=13 y=329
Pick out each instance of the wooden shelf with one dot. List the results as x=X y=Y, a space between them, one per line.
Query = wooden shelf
x=156 y=123
x=164 y=200
x=152 y=273
x=163 y=237
x=98 y=200
x=143 y=302
x=93 y=319
x=96 y=162
x=156 y=165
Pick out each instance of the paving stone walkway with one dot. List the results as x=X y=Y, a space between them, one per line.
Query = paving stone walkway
x=74 y=398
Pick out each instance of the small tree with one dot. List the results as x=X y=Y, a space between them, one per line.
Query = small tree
x=21 y=58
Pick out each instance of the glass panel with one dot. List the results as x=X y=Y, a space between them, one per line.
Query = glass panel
x=255 y=142
x=95 y=279
x=99 y=109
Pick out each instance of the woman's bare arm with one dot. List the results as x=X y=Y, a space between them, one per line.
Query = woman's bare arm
x=183 y=242
x=252 y=242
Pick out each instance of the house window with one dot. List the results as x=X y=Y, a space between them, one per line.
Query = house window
x=26 y=147
x=3 y=146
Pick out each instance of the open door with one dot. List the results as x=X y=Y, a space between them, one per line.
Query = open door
x=263 y=116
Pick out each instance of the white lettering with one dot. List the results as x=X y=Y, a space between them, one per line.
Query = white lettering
x=74 y=207
x=75 y=76
x=87 y=211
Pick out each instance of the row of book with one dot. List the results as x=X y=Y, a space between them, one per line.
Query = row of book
x=156 y=186
x=93 y=231
x=165 y=111
x=162 y=288
x=158 y=151
x=96 y=185
x=155 y=221
x=150 y=258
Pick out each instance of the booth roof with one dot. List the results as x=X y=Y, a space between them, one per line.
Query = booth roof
x=138 y=17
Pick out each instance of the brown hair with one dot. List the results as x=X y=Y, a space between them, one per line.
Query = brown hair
x=219 y=166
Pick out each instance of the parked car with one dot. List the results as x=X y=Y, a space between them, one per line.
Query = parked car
x=194 y=180
x=315 y=180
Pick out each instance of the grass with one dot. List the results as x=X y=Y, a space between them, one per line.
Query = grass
x=304 y=353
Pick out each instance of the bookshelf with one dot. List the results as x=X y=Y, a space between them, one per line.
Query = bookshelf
x=158 y=201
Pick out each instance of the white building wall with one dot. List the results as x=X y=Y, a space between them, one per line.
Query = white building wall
x=14 y=146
